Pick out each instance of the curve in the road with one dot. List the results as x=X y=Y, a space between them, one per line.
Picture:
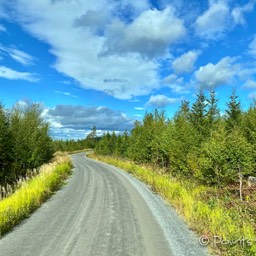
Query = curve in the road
x=102 y=211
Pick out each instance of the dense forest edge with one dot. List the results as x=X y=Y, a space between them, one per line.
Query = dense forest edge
x=200 y=161
x=30 y=171
x=198 y=143
x=25 y=143
x=206 y=158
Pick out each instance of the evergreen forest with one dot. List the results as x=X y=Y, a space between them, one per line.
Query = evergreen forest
x=199 y=142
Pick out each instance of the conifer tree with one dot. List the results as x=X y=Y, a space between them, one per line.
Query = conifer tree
x=212 y=111
x=198 y=113
x=233 y=112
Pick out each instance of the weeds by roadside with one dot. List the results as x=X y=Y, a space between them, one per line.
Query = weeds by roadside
x=31 y=193
x=224 y=229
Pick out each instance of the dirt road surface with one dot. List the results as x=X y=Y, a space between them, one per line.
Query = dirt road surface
x=102 y=211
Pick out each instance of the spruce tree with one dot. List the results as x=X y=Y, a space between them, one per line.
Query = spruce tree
x=212 y=111
x=233 y=112
x=198 y=113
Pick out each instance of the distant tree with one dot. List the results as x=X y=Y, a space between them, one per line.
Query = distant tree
x=182 y=138
x=198 y=113
x=213 y=113
x=184 y=110
x=104 y=147
x=32 y=144
x=158 y=155
x=91 y=138
x=6 y=148
x=233 y=112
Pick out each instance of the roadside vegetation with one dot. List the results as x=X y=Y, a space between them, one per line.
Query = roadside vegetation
x=29 y=171
x=29 y=193
x=76 y=146
x=25 y=143
x=200 y=161
x=226 y=230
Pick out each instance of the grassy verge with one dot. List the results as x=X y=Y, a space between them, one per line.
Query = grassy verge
x=223 y=229
x=32 y=193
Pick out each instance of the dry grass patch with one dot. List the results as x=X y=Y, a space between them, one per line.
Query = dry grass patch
x=33 y=192
x=228 y=231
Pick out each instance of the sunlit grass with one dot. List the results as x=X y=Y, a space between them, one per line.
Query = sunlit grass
x=206 y=217
x=32 y=193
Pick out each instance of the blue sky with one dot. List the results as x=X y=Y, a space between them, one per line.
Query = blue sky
x=106 y=62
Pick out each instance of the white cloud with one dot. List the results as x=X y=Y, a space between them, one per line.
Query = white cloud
x=78 y=49
x=250 y=84
x=210 y=76
x=11 y=74
x=66 y=94
x=176 y=84
x=2 y=28
x=150 y=34
x=252 y=47
x=185 y=63
x=161 y=101
x=238 y=12
x=139 y=108
x=3 y=12
x=17 y=55
x=213 y=22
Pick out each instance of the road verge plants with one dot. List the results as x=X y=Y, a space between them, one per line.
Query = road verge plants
x=224 y=230
x=33 y=192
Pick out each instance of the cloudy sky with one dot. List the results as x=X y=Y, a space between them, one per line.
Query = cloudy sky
x=106 y=62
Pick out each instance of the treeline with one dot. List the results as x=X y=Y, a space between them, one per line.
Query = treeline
x=74 y=145
x=198 y=142
x=24 y=141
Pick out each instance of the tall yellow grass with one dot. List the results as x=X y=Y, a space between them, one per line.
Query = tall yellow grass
x=33 y=192
x=212 y=221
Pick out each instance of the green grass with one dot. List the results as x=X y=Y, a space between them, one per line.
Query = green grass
x=205 y=215
x=33 y=193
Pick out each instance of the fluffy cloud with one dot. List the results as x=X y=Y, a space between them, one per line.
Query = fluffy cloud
x=109 y=58
x=150 y=34
x=176 y=84
x=185 y=63
x=15 y=75
x=210 y=76
x=84 y=118
x=161 y=101
x=238 y=12
x=214 y=21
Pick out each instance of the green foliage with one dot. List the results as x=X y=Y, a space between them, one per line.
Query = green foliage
x=25 y=143
x=198 y=142
x=32 y=193
x=207 y=217
x=233 y=112
x=76 y=145
x=198 y=113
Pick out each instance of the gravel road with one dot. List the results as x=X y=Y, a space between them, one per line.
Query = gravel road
x=102 y=211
